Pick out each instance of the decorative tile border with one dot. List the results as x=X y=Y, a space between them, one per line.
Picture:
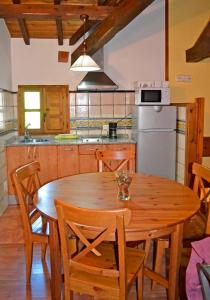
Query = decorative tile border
x=98 y=123
x=181 y=126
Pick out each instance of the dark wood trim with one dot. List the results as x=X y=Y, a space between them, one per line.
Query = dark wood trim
x=59 y=30
x=206 y=146
x=193 y=136
x=51 y=11
x=201 y=48
x=200 y=128
x=80 y=32
x=166 y=40
x=57 y=2
x=23 y=26
x=24 y=31
x=117 y=20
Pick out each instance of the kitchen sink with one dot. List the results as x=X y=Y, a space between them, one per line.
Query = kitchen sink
x=91 y=140
x=34 y=141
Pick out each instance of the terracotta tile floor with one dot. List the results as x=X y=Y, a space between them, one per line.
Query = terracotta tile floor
x=12 y=267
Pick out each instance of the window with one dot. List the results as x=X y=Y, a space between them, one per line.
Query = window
x=43 y=109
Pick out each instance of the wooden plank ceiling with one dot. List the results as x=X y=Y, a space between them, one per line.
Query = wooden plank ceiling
x=60 y=19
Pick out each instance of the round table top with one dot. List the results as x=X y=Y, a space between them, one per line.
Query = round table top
x=155 y=202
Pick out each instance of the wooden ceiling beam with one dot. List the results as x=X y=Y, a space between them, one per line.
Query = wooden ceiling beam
x=117 y=20
x=24 y=31
x=80 y=32
x=59 y=30
x=201 y=48
x=23 y=26
x=51 y=11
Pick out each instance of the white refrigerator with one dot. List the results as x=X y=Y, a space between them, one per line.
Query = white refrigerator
x=155 y=134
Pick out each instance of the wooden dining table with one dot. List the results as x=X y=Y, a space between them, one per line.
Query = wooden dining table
x=159 y=207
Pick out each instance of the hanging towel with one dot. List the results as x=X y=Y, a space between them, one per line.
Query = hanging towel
x=200 y=254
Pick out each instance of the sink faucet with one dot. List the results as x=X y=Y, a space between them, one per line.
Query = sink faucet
x=26 y=132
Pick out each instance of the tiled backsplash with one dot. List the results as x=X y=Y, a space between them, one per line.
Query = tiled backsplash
x=8 y=112
x=90 y=111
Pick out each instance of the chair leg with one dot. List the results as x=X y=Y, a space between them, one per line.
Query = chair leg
x=140 y=285
x=160 y=248
x=29 y=258
x=43 y=250
x=147 y=246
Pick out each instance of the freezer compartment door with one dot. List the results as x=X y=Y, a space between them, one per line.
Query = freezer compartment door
x=149 y=117
x=156 y=153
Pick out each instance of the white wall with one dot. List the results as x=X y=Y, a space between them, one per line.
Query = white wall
x=136 y=53
x=5 y=58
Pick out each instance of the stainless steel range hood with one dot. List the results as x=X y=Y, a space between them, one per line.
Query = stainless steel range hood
x=96 y=81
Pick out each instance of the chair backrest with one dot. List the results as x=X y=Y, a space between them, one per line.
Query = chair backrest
x=100 y=224
x=201 y=187
x=26 y=182
x=114 y=160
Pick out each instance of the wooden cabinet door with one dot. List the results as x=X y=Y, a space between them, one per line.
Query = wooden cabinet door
x=68 y=160
x=47 y=157
x=87 y=159
x=56 y=109
x=21 y=155
x=16 y=157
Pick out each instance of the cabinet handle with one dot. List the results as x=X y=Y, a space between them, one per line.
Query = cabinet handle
x=92 y=149
x=121 y=149
x=68 y=149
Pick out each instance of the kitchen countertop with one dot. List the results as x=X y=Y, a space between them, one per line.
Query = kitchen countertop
x=122 y=139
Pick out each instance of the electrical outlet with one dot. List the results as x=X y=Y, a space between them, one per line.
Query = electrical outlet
x=184 y=78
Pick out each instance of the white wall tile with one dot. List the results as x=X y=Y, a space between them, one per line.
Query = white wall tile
x=182 y=113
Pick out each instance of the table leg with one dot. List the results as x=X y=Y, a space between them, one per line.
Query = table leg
x=55 y=261
x=175 y=255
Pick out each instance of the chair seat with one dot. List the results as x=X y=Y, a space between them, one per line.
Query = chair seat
x=101 y=284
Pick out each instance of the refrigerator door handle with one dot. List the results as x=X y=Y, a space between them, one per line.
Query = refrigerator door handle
x=157 y=130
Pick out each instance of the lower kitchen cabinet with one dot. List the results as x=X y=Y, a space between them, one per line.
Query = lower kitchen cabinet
x=47 y=156
x=68 y=160
x=87 y=158
x=58 y=161
x=20 y=155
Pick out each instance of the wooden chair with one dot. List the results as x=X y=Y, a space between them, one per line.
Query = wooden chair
x=114 y=160
x=199 y=225
x=26 y=183
x=100 y=269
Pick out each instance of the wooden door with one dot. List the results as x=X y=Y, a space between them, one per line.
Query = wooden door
x=47 y=157
x=68 y=160
x=87 y=159
x=56 y=112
